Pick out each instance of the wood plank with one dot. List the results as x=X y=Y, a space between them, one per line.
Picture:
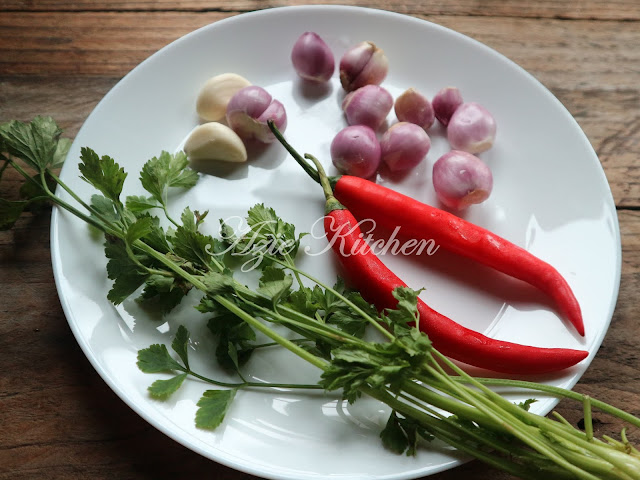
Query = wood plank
x=576 y=55
x=580 y=9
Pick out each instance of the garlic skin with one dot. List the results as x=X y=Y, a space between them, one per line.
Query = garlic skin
x=368 y=105
x=215 y=94
x=214 y=141
x=471 y=128
x=413 y=107
x=312 y=58
x=363 y=64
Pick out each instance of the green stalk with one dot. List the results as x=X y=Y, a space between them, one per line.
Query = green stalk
x=558 y=392
x=600 y=450
x=246 y=384
x=297 y=157
x=357 y=309
x=106 y=223
x=286 y=343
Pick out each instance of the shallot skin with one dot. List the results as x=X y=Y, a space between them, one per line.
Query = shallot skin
x=312 y=58
x=368 y=105
x=414 y=107
x=445 y=103
x=461 y=179
x=363 y=64
x=471 y=128
x=248 y=112
x=355 y=150
x=404 y=146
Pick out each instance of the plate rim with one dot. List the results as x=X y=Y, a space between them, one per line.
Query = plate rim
x=225 y=459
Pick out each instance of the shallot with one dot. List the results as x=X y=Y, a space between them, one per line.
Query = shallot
x=248 y=112
x=461 y=179
x=445 y=103
x=363 y=64
x=414 y=107
x=312 y=58
x=368 y=105
x=471 y=128
x=355 y=150
x=404 y=146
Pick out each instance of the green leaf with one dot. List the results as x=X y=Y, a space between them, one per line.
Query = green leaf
x=406 y=311
x=161 y=282
x=190 y=244
x=62 y=149
x=139 y=229
x=156 y=238
x=393 y=436
x=218 y=283
x=138 y=203
x=377 y=365
x=180 y=344
x=274 y=284
x=156 y=359
x=213 y=407
x=301 y=300
x=162 y=389
x=403 y=434
x=165 y=171
x=10 y=212
x=161 y=296
x=37 y=142
x=104 y=173
x=105 y=207
x=234 y=340
x=268 y=235
x=123 y=270
x=527 y=403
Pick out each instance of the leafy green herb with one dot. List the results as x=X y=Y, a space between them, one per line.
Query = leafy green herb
x=156 y=359
x=162 y=389
x=213 y=407
x=405 y=372
x=10 y=212
x=180 y=344
x=401 y=435
x=104 y=174
x=161 y=173
x=37 y=143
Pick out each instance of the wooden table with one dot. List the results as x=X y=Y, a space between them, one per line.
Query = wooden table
x=58 y=419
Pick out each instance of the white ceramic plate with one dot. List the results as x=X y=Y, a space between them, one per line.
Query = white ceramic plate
x=550 y=196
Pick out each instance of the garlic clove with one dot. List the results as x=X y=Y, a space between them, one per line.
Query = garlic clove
x=214 y=96
x=215 y=141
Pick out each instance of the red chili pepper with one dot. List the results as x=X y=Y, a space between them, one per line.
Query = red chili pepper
x=389 y=209
x=366 y=272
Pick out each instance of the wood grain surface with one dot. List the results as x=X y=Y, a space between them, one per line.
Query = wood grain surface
x=58 y=419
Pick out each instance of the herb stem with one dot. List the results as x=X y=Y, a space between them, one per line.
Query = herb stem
x=357 y=309
x=246 y=384
x=286 y=343
x=556 y=391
